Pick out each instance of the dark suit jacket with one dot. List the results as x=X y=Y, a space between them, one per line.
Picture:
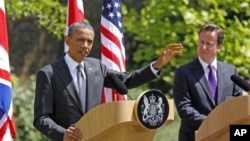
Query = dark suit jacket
x=192 y=95
x=57 y=105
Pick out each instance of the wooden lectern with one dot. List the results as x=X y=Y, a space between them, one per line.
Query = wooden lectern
x=216 y=127
x=116 y=121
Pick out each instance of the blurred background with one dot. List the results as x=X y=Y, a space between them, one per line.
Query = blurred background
x=36 y=30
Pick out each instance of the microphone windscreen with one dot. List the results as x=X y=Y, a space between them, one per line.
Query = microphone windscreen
x=118 y=84
x=240 y=82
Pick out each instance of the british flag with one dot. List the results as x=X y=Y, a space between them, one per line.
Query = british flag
x=7 y=124
x=75 y=14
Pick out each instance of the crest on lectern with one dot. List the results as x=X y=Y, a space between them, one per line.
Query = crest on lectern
x=152 y=109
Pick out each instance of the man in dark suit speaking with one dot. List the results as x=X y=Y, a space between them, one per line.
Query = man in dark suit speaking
x=202 y=84
x=60 y=101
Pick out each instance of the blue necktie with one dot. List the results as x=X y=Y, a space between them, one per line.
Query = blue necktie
x=212 y=81
x=81 y=86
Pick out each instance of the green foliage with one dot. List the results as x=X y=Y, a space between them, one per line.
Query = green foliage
x=23 y=103
x=161 y=22
x=51 y=14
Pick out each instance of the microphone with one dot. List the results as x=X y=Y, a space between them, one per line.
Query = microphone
x=118 y=84
x=241 y=83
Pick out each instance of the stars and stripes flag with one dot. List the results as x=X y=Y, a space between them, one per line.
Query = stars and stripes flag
x=75 y=14
x=7 y=124
x=112 y=43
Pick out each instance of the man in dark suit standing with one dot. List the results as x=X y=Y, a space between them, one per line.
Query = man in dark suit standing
x=202 y=84
x=58 y=105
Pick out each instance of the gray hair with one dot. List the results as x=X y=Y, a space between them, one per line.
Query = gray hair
x=76 y=25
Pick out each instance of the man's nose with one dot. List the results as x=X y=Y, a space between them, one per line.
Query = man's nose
x=85 y=44
x=203 y=46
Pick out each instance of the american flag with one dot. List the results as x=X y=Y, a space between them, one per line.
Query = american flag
x=112 y=43
x=7 y=124
x=75 y=14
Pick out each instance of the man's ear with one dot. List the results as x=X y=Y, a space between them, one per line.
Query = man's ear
x=219 y=47
x=67 y=40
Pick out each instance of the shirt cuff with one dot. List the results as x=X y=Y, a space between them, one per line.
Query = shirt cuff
x=155 y=71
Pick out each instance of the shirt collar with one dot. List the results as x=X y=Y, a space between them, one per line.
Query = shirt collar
x=72 y=64
x=204 y=64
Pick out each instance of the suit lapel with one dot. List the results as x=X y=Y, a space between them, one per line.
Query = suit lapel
x=90 y=79
x=220 y=82
x=66 y=78
x=201 y=77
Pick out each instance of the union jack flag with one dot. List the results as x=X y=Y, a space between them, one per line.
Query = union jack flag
x=112 y=43
x=75 y=14
x=7 y=124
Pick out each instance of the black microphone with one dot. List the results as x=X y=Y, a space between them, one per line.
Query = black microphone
x=118 y=84
x=241 y=83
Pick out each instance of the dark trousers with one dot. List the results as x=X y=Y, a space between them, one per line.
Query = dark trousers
x=186 y=136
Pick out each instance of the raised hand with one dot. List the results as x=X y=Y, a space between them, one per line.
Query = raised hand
x=170 y=51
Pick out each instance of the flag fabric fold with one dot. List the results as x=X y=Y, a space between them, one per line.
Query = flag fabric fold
x=112 y=43
x=7 y=124
x=75 y=14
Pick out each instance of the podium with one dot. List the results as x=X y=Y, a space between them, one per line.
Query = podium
x=118 y=121
x=217 y=124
